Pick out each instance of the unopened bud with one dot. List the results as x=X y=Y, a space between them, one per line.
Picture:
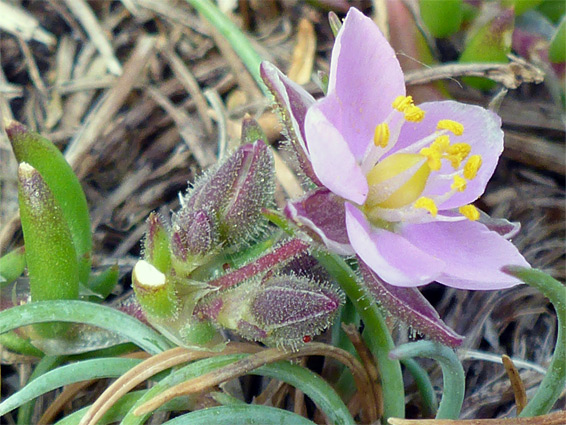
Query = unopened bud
x=280 y=310
x=234 y=194
x=193 y=234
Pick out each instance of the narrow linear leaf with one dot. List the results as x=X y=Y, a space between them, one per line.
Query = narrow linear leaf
x=316 y=388
x=88 y=313
x=240 y=415
x=65 y=375
x=554 y=382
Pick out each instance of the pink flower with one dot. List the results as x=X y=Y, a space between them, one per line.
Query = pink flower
x=396 y=181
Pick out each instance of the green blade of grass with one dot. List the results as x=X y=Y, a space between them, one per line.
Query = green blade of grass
x=239 y=42
x=88 y=313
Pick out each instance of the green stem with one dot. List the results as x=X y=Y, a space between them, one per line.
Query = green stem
x=454 y=378
x=376 y=333
x=555 y=379
x=235 y=37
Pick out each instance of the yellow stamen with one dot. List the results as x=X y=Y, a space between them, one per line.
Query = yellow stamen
x=389 y=169
x=428 y=204
x=381 y=135
x=453 y=126
x=414 y=113
x=433 y=158
x=470 y=212
x=459 y=184
x=402 y=102
x=441 y=143
x=472 y=167
x=457 y=153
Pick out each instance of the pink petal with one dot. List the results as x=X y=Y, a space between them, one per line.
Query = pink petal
x=411 y=307
x=332 y=160
x=365 y=77
x=323 y=213
x=474 y=255
x=482 y=131
x=390 y=255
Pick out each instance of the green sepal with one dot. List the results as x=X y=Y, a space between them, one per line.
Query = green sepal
x=50 y=252
x=44 y=156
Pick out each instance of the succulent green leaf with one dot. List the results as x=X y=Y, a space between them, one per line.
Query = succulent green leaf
x=50 y=252
x=553 y=9
x=557 y=48
x=44 y=156
x=12 y=265
x=442 y=18
x=490 y=43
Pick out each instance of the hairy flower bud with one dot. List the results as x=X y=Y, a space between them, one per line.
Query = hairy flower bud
x=234 y=194
x=282 y=310
x=194 y=234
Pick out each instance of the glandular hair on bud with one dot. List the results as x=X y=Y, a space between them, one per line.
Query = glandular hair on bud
x=155 y=291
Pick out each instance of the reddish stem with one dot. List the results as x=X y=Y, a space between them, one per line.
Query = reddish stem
x=284 y=252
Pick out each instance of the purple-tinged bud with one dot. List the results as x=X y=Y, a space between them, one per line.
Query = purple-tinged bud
x=234 y=194
x=409 y=305
x=280 y=310
x=193 y=234
x=156 y=243
x=155 y=291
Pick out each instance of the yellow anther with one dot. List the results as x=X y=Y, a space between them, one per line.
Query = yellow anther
x=441 y=143
x=457 y=153
x=414 y=113
x=470 y=212
x=472 y=166
x=433 y=158
x=460 y=149
x=459 y=184
x=427 y=204
x=381 y=135
x=402 y=102
x=453 y=126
